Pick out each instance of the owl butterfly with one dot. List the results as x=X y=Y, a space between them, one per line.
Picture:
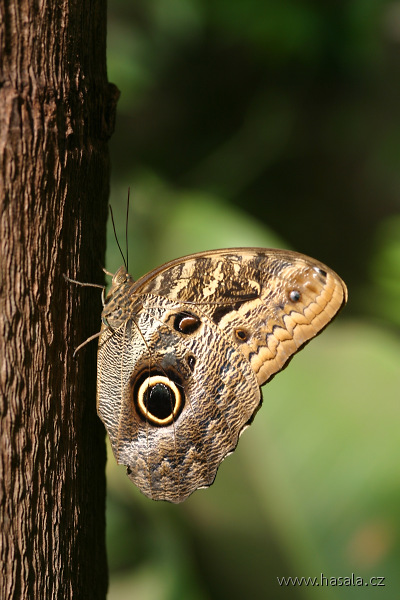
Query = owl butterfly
x=184 y=350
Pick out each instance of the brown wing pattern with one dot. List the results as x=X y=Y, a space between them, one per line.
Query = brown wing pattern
x=184 y=350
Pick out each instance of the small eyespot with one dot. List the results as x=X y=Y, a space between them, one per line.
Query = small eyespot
x=241 y=335
x=294 y=296
x=186 y=323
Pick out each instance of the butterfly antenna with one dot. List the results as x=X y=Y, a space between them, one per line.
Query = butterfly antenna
x=116 y=238
x=126 y=229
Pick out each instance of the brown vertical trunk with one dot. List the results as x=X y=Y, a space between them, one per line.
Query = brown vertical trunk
x=56 y=114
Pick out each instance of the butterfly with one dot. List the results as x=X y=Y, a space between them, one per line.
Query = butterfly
x=184 y=350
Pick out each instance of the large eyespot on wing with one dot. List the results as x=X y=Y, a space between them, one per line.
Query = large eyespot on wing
x=299 y=298
x=158 y=397
x=184 y=402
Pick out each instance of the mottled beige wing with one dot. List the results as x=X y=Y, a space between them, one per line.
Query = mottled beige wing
x=268 y=302
x=176 y=401
x=184 y=350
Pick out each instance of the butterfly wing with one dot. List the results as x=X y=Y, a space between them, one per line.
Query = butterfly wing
x=269 y=302
x=184 y=350
x=177 y=401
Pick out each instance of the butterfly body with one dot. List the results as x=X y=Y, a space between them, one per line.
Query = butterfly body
x=184 y=350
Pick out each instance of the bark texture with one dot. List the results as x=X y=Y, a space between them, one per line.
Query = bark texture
x=56 y=115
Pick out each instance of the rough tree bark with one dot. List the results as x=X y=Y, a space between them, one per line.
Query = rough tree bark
x=56 y=115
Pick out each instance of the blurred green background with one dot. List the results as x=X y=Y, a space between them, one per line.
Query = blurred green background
x=270 y=123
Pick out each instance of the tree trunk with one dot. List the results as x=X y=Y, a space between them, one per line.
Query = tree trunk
x=56 y=115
